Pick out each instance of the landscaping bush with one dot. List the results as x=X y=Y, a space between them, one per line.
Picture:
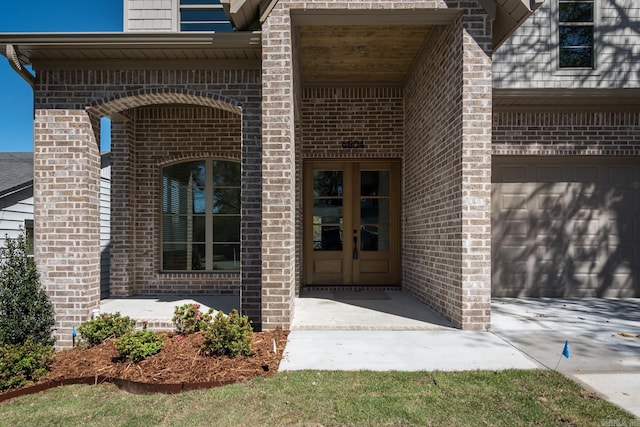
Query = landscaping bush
x=25 y=309
x=104 y=326
x=189 y=319
x=136 y=346
x=230 y=335
x=23 y=362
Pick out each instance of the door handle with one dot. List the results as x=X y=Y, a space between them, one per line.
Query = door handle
x=355 y=244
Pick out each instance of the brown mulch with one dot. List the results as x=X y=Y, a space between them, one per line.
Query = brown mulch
x=180 y=362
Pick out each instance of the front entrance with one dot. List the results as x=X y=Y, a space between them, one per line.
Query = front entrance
x=352 y=223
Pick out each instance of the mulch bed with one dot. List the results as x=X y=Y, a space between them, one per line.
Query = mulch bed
x=178 y=366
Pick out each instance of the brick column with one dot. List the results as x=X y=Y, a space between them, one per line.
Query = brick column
x=66 y=215
x=278 y=172
x=476 y=171
x=122 y=208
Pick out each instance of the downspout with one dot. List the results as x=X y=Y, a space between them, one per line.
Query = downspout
x=18 y=66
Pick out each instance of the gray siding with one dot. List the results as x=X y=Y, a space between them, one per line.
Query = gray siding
x=14 y=210
x=105 y=230
x=150 y=15
x=528 y=59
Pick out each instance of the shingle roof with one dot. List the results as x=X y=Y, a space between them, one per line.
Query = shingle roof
x=16 y=171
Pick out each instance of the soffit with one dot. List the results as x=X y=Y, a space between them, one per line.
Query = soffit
x=357 y=55
x=41 y=47
x=566 y=100
x=359 y=47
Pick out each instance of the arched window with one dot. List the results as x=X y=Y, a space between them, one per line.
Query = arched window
x=201 y=216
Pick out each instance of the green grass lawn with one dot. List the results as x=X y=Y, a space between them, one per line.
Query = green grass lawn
x=503 y=398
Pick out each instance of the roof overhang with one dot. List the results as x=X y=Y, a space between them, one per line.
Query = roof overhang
x=57 y=49
x=566 y=100
x=507 y=15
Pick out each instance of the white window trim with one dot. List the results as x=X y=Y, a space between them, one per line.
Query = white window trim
x=555 y=43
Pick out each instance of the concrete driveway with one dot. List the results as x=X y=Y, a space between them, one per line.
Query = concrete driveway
x=603 y=337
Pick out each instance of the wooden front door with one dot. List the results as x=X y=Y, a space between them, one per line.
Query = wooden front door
x=351 y=223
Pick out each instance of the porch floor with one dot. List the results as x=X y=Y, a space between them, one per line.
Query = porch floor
x=364 y=310
x=157 y=311
x=313 y=310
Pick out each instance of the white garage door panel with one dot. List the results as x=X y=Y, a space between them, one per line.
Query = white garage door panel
x=566 y=227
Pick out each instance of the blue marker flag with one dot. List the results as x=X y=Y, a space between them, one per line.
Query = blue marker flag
x=565 y=350
x=74 y=334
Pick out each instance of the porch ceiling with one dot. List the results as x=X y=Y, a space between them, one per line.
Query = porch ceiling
x=357 y=55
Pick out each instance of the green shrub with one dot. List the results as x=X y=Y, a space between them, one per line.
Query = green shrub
x=189 y=319
x=104 y=326
x=136 y=346
x=25 y=309
x=24 y=362
x=230 y=335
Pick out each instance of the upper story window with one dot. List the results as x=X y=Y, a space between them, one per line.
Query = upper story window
x=203 y=15
x=201 y=216
x=576 y=30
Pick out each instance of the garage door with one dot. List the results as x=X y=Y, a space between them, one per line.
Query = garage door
x=566 y=227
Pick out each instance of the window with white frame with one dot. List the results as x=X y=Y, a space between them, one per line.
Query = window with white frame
x=576 y=33
x=201 y=216
x=203 y=15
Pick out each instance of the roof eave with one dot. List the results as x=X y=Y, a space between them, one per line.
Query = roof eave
x=509 y=15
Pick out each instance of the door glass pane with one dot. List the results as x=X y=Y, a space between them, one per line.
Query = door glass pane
x=327 y=183
x=374 y=211
x=327 y=238
x=374 y=183
x=327 y=211
x=374 y=238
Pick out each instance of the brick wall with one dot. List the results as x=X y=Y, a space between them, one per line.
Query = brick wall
x=119 y=94
x=462 y=161
x=122 y=274
x=609 y=134
x=66 y=215
x=446 y=235
x=163 y=135
x=332 y=116
x=278 y=172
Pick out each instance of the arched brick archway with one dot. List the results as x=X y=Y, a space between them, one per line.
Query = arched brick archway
x=150 y=96
x=67 y=173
